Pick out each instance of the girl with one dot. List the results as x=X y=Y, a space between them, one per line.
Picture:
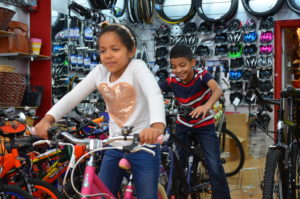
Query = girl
x=132 y=98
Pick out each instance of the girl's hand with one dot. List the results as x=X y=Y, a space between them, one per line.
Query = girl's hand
x=200 y=111
x=42 y=127
x=150 y=135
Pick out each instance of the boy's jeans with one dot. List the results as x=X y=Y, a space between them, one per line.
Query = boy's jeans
x=208 y=140
x=144 y=166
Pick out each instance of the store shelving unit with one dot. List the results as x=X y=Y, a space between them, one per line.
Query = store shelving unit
x=24 y=56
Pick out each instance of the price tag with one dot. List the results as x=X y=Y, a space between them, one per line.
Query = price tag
x=236 y=101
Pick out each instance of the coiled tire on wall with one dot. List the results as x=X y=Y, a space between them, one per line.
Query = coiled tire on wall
x=228 y=15
x=269 y=12
x=293 y=6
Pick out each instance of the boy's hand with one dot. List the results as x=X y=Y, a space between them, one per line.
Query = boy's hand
x=150 y=135
x=200 y=111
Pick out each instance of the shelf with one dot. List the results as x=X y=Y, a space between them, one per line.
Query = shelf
x=5 y=33
x=24 y=55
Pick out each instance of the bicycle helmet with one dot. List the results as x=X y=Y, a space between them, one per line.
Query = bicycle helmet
x=164 y=40
x=235 y=86
x=234 y=37
x=162 y=74
x=250 y=50
x=202 y=51
x=266 y=24
x=236 y=96
x=236 y=74
x=221 y=50
x=161 y=52
x=250 y=97
x=221 y=38
x=234 y=25
x=235 y=51
x=266 y=49
x=265 y=86
x=205 y=28
x=250 y=37
x=247 y=74
x=190 y=28
x=163 y=30
x=265 y=73
x=220 y=27
x=266 y=37
x=265 y=61
x=236 y=63
x=176 y=30
x=251 y=62
x=249 y=25
x=162 y=63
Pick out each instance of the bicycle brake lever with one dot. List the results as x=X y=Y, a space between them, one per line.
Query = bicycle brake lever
x=142 y=148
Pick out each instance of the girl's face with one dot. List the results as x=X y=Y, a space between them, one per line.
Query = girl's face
x=183 y=68
x=114 y=55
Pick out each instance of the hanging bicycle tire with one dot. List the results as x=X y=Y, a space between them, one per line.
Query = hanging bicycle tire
x=119 y=11
x=225 y=17
x=232 y=162
x=269 y=12
x=274 y=178
x=293 y=6
x=43 y=190
x=13 y=191
x=159 y=6
x=295 y=171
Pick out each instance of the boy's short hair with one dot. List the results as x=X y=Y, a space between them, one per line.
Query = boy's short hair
x=181 y=51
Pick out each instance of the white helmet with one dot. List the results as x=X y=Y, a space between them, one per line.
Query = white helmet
x=176 y=30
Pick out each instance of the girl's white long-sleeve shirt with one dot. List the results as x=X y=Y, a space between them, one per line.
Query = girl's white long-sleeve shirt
x=134 y=99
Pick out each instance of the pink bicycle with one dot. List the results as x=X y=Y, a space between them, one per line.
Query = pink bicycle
x=92 y=185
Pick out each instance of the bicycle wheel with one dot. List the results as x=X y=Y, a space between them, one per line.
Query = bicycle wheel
x=15 y=192
x=274 y=178
x=232 y=152
x=43 y=190
x=295 y=171
x=201 y=187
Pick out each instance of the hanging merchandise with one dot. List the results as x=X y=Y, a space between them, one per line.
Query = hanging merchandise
x=266 y=24
x=101 y=4
x=236 y=74
x=161 y=52
x=190 y=28
x=205 y=28
x=271 y=11
x=250 y=50
x=250 y=37
x=220 y=27
x=221 y=50
x=162 y=63
x=265 y=86
x=265 y=73
x=236 y=63
x=159 y=7
x=86 y=61
x=221 y=38
x=162 y=74
x=249 y=25
x=266 y=37
x=227 y=16
x=162 y=41
x=163 y=30
x=119 y=11
x=235 y=25
x=235 y=51
x=251 y=62
x=266 y=49
x=294 y=6
x=203 y=51
x=250 y=97
x=247 y=74
x=265 y=61
x=235 y=86
x=88 y=32
x=234 y=37
x=176 y=30
x=236 y=98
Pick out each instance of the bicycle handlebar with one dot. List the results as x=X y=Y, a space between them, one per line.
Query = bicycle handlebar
x=290 y=92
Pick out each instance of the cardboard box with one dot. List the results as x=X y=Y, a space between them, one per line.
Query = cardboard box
x=232 y=152
x=238 y=124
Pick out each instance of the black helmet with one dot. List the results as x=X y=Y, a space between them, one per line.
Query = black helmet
x=190 y=27
x=205 y=27
x=163 y=30
x=234 y=25
x=266 y=24
x=249 y=25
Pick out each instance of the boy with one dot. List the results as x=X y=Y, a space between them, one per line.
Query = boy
x=197 y=89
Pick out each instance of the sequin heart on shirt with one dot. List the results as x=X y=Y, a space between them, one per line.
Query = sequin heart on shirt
x=120 y=100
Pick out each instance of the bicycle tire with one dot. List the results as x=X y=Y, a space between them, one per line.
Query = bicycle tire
x=202 y=178
x=231 y=167
x=295 y=171
x=273 y=175
x=12 y=191
x=43 y=190
x=267 y=13
x=293 y=6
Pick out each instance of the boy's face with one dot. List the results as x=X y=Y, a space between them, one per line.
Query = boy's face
x=183 y=68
